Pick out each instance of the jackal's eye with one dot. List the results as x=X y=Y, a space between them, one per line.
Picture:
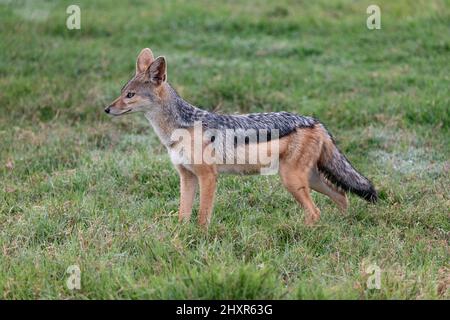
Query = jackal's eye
x=130 y=95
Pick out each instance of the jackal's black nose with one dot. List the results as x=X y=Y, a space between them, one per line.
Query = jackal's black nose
x=107 y=110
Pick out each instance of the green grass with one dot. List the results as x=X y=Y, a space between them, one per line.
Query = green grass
x=77 y=187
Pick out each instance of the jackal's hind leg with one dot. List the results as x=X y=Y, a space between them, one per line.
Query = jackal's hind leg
x=297 y=183
x=320 y=184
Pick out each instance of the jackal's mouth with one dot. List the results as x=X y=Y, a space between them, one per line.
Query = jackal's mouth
x=129 y=110
x=121 y=114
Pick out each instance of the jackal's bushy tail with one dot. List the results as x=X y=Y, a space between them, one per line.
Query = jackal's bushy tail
x=336 y=168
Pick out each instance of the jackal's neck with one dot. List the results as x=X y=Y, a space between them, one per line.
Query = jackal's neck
x=174 y=113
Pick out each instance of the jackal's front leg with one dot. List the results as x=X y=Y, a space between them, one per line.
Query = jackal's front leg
x=188 y=187
x=207 y=181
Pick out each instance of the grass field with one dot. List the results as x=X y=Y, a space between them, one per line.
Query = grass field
x=80 y=188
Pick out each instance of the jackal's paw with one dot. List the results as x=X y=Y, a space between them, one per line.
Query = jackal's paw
x=204 y=220
x=343 y=203
x=204 y=225
x=183 y=218
x=311 y=219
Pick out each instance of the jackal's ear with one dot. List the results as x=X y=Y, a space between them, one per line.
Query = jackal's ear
x=158 y=71
x=144 y=60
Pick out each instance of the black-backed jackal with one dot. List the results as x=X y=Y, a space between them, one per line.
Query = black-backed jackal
x=303 y=151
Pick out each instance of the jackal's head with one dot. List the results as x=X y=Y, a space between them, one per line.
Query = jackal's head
x=145 y=90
